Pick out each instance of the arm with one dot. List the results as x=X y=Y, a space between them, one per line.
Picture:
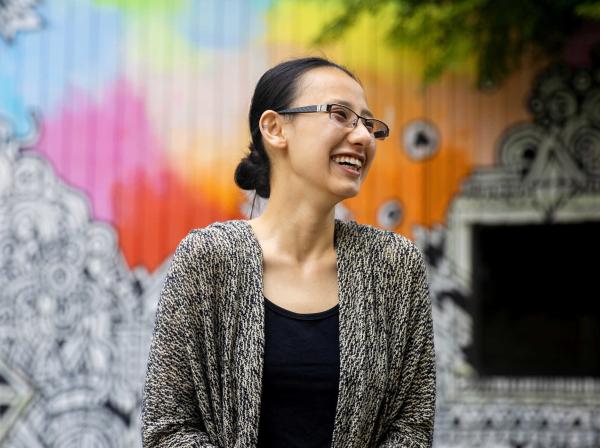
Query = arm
x=413 y=409
x=170 y=412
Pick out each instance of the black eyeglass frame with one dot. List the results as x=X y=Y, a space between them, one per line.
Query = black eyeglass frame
x=327 y=108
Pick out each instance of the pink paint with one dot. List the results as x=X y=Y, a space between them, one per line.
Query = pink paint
x=95 y=144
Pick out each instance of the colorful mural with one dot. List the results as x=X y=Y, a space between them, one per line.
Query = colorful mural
x=143 y=107
x=121 y=123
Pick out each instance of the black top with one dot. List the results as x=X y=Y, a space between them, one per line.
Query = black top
x=300 y=378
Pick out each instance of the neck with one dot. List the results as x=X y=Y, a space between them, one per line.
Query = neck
x=298 y=228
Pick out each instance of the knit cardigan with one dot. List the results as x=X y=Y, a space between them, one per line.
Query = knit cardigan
x=204 y=374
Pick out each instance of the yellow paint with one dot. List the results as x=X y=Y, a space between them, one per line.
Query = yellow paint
x=153 y=43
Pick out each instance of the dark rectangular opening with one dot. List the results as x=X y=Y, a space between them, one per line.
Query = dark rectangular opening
x=536 y=300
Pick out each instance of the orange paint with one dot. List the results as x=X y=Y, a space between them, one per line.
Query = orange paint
x=150 y=223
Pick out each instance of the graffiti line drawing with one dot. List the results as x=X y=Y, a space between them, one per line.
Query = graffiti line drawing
x=18 y=16
x=75 y=322
x=556 y=158
x=389 y=215
x=421 y=139
x=547 y=172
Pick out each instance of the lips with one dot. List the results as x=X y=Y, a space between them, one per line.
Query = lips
x=348 y=160
x=352 y=154
x=354 y=171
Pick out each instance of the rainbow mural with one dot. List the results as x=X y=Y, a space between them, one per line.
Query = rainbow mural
x=143 y=107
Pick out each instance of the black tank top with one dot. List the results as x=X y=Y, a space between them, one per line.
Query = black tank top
x=300 y=378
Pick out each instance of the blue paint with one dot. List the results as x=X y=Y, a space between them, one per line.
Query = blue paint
x=218 y=24
x=78 y=47
x=12 y=108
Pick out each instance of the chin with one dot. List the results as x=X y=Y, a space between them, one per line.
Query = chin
x=347 y=193
x=342 y=189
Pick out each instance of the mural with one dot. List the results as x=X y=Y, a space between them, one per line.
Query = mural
x=121 y=123
x=546 y=173
x=17 y=16
x=75 y=321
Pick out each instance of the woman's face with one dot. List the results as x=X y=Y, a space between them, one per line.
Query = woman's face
x=316 y=143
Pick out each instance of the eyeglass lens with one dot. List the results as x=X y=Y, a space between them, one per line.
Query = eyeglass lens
x=348 y=118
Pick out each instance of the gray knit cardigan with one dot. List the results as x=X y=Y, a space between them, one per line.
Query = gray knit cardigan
x=203 y=381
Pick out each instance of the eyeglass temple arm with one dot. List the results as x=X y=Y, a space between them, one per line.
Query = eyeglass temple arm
x=299 y=110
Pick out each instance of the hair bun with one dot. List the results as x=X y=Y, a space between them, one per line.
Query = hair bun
x=252 y=173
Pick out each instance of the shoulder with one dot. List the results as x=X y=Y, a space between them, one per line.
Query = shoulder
x=390 y=246
x=214 y=243
x=214 y=235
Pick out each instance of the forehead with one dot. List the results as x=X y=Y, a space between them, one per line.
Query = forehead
x=330 y=85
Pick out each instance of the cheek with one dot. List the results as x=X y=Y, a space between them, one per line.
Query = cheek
x=310 y=158
x=311 y=154
x=316 y=150
x=372 y=151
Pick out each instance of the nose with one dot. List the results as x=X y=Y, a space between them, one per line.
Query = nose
x=360 y=135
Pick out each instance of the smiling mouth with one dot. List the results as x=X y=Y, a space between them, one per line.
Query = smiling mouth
x=348 y=166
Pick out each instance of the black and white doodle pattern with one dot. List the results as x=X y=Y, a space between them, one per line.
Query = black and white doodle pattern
x=557 y=155
x=75 y=322
x=563 y=418
x=421 y=139
x=17 y=16
x=547 y=171
x=389 y=214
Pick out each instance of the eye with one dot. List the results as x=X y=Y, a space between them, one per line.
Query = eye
x=339 y=114
x=370 y=125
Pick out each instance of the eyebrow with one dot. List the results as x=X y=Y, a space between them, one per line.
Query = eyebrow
x=365 y=112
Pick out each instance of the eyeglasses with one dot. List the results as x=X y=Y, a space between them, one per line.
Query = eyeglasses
x=345 y=117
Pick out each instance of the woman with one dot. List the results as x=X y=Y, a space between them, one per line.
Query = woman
x=295 y=329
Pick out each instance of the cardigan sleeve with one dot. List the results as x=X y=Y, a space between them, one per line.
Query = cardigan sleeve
x=170 y=411
x=414 y=410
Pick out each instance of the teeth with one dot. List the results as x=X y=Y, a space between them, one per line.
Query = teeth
x=348 y=159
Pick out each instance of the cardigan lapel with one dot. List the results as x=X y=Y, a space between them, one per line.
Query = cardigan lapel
x=349 y=287
x=250 y=340
x=363 y=358
x=362 y=342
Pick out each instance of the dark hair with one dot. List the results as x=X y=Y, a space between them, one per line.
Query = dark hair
x=275 y=90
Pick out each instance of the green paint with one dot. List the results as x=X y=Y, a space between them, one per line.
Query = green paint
x=144 y=6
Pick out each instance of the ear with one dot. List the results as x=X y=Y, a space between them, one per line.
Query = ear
x=271 y=128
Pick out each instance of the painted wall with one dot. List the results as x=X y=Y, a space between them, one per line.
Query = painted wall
x=143 y=107
x=121 y=123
